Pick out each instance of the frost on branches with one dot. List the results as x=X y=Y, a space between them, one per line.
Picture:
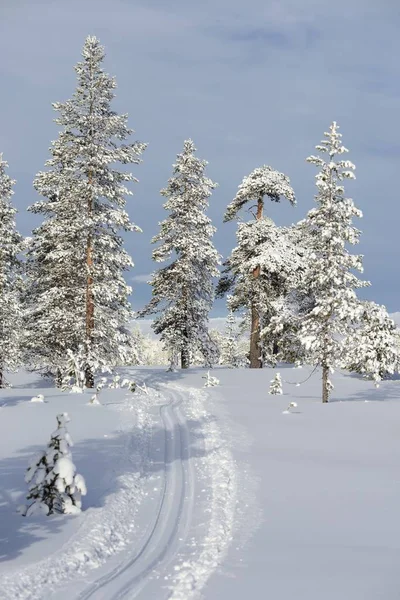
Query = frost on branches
x=276 y=385
x=232 y=352
x=77 y=295
x=55 y=487
x=373 y=349
x=11 y=244
x=268 y=251
x=329 y=276
x=247 y=272
x=183 y=291
x=210 y=380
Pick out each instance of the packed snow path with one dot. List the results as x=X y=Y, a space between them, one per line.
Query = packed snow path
x=171 y=520
x=166 y=530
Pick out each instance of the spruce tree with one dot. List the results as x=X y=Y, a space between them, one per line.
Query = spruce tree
x=373 y=349
x=183 y=290
x=54 y=485
x=243 y=269
x=329 y=276
x=11 y=244
x=276 y=385
x=77 y=295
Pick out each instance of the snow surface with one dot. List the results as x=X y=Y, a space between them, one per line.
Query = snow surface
x=210 y=492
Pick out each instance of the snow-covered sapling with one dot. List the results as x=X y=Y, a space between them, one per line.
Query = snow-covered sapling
x=74 y=371
x=210 y=380
x=55 y=487
x=291 y=405
x=115 y=383
x=100 y=385
x=276 y=385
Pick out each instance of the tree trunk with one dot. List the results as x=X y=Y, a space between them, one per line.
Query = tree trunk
x=325 y=386
x=185 y=358
x=89 y=375
x=1 y=378
x=255 y=350
x=58 y=378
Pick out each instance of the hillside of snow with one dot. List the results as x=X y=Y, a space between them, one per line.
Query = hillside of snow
x=212 y=492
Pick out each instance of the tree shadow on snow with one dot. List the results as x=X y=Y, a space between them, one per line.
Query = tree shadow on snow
x=372 y=394
x=97 y=460
x=14 y=400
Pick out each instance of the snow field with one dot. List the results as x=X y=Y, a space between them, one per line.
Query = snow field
x=101 y=530
x=159 y=514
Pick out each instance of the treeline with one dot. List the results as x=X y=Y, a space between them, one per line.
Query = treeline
x=64 y=299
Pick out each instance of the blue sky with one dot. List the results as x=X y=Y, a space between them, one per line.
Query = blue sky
x=252 y=83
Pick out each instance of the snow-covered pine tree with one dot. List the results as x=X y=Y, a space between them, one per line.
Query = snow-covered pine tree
x=244 y=263
x=373 y=349
x=77 y=294
x=183 y=290
x=292 y=303
x=55 y=487
x=11 y=244
x=276 y=385
x=232 y=354
x=266 y=250
x=329 y=275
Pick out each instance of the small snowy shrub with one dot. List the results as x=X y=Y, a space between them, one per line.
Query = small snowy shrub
x=38 y=398
x=115 y=383
x=101 y=384
x=129 y=384
x=291 y=405
x=210 y=380
x=55 y=487
x=276 y=385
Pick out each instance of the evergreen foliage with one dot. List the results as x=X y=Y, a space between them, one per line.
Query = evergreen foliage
x=77 y=295
x=276 y=385
x=374 y=348
x=11 y=282
x=183 y=291
x=329 y=275
x=55 y=487
x=242 y=274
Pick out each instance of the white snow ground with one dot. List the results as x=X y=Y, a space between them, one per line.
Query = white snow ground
x=209 y=491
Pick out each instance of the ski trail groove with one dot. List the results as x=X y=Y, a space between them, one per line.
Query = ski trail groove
x=173 y=517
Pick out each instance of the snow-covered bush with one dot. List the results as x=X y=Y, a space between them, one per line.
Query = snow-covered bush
x=289 y=408
x=276 y=385
x=38 y=398
x=54 y=485
x=373 y=349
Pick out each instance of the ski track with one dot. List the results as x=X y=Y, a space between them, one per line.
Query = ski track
x=172 y=517
x=103 y=532
x=173 y=561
